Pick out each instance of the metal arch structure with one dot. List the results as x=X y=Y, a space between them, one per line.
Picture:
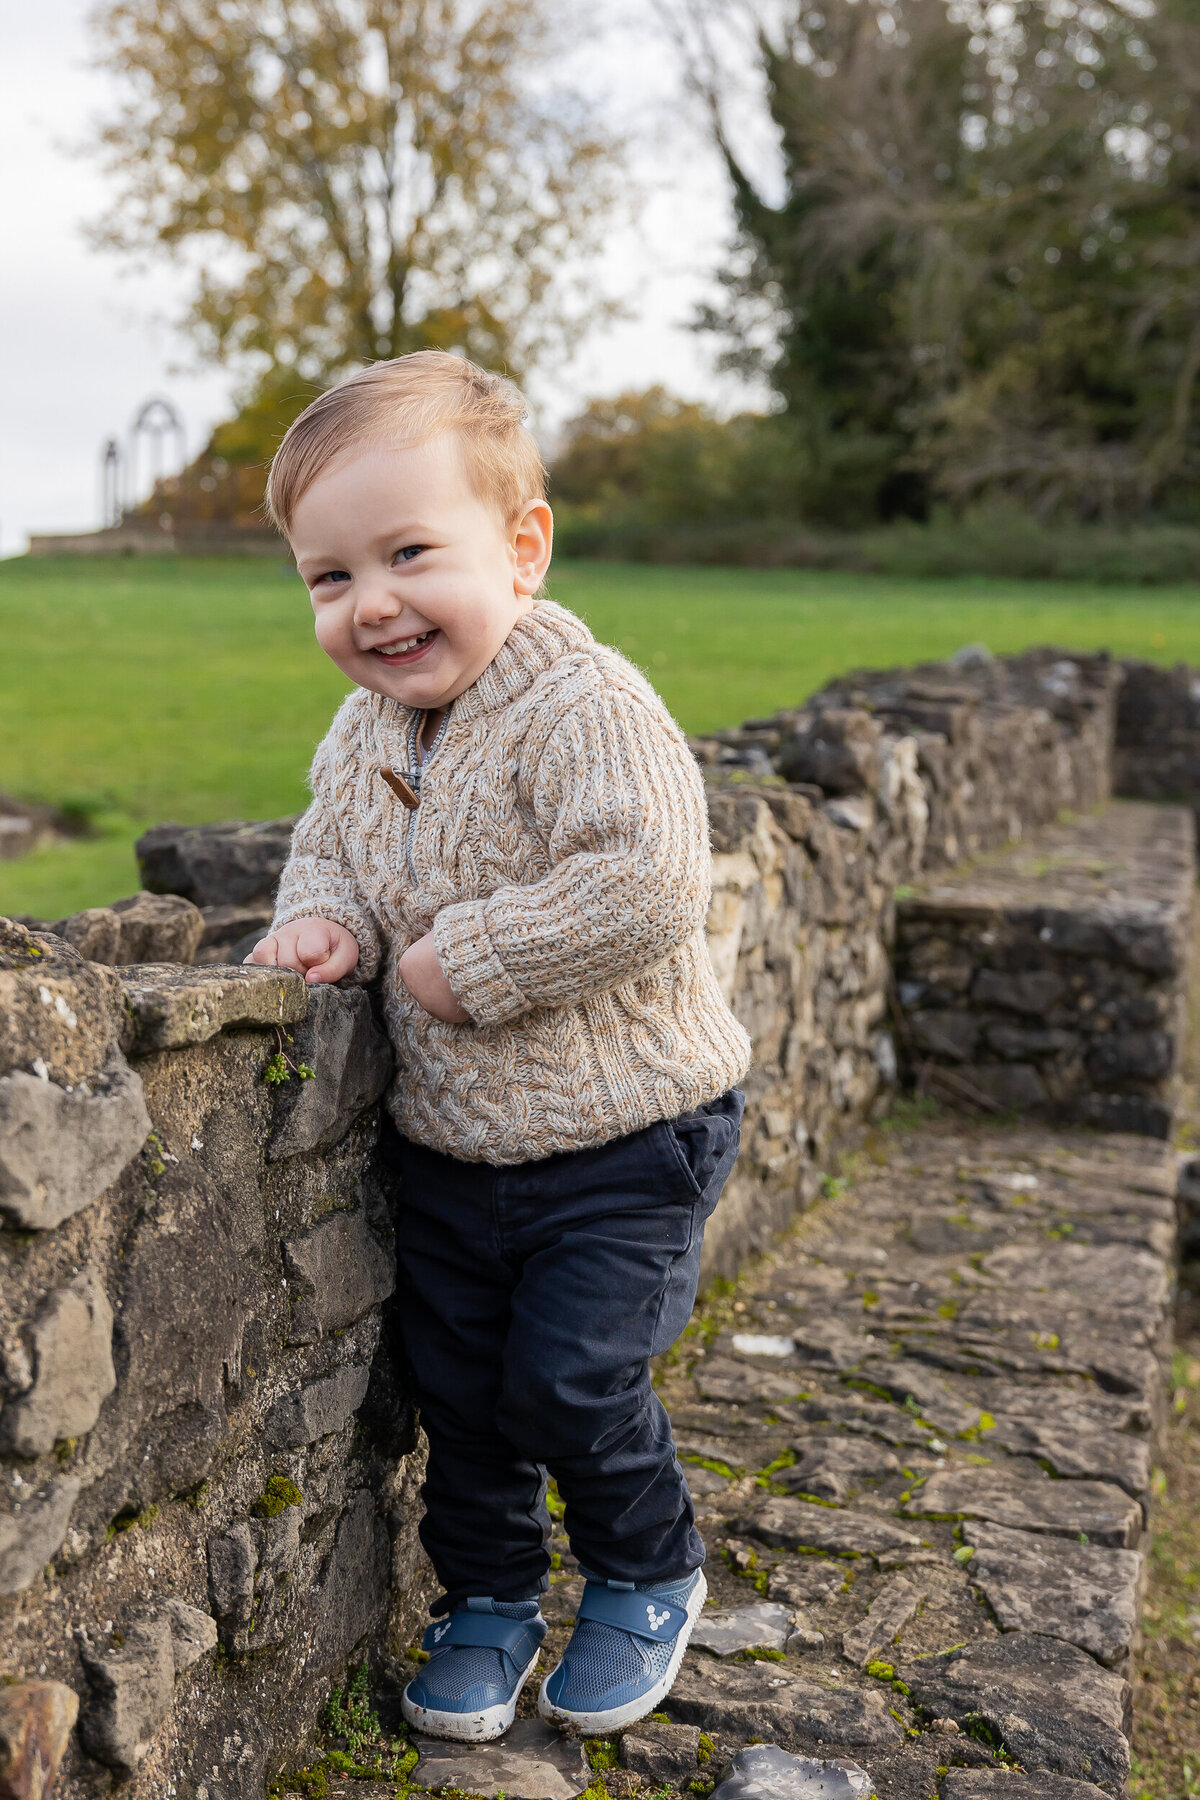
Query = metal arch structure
x=156 y=423
x=112 y=469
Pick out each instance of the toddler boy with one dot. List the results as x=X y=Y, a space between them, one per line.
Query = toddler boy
x=507 y=824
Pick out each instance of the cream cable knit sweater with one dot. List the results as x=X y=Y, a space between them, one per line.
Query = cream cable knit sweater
x=560 y=854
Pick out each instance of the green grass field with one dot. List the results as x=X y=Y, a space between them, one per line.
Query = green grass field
x=193 y=690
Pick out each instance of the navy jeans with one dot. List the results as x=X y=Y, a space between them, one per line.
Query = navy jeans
x=531 y=1298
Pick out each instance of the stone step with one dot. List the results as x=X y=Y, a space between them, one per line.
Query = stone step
x=1049 y=976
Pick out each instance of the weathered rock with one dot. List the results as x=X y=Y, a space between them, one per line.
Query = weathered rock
x=55 y=1009
x=803 y=1581
x=765 y=1772
x=838 y=752
x=170 y=1007
x=145 y=928
x=1080 y=1593
x=531 y=1761
x=1012 y=1784
x=1101 y=1512
x=1122 y=1276
x=1081 y=1452
x=833 y=1344
x=339 y=1270
x=36 y=1718
x=61 y=1148
x=662 y=1752
x=1050 y=1705
x=351 y=1062
x=726 y=1630
x=831 y=1468
x=352 y=1597
x=132 y=1684
x=32 y=1533
x=799 y=1525
x=764 y=1698
x=720 y=1378
x=232 y=1561
x=73 y=1369
x=193 y=1633
x=906 y=1379
x=158 y=928
x=215 y=865
x=891 y=1609
x=318 y=1408
x=95 y=933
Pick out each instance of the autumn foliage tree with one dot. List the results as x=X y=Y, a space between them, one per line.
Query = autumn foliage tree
x=353 y=179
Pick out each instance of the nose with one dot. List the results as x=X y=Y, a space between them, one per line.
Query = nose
x=374 y=603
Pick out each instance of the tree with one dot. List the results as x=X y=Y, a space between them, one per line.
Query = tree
x=355 y=179
x=981 y=267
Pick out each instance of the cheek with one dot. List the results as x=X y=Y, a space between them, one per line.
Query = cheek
x=333 y=631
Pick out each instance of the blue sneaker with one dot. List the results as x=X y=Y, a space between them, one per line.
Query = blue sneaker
x=624 y=1653
x=479 y=1660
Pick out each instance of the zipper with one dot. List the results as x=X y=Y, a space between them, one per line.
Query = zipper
x=416 y=770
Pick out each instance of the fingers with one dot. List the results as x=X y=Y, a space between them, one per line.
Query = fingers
x=265 y=951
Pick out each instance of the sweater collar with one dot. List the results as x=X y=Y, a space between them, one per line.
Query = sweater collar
x=535 y=643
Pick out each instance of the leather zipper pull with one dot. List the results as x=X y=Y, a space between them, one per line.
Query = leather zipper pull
x=402 y=788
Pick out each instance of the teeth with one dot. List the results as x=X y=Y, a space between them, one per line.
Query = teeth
x=401 y=645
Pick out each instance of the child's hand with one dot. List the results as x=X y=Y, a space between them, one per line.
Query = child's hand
x=421 y=973
x=319 y=949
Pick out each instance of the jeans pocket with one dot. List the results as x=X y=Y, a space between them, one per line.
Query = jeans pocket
x=704 y=1141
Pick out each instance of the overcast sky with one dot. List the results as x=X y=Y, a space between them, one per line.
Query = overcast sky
x=83 y=343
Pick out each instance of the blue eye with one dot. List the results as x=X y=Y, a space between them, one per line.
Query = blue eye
x=332 y=575
x=409 y=552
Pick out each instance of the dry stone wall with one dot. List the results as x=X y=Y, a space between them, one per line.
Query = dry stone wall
x=208 y=1468
x=208 y=1486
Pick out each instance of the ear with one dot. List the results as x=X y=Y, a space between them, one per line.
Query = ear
x=531 y=539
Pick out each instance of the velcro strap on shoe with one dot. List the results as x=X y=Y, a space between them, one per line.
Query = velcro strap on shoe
x=644 y=1615
x=515 y=1638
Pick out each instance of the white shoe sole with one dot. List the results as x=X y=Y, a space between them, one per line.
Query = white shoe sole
x=467 y=1728
x=597 y=1723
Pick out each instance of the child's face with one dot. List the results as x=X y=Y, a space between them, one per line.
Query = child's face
x=415 y=582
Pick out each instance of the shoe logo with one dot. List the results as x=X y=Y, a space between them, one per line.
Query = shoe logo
x=439 y=1632
x=657 y=1619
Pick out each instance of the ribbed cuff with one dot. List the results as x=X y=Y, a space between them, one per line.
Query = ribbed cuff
x=472 y=967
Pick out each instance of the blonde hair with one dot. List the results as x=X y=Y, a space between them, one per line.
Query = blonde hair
x=409 y=400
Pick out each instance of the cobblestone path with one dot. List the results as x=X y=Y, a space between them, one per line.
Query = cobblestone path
x=920 y=1440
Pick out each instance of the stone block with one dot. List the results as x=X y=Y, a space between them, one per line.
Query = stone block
x=802 y=1525
x=1000 y=1087
x=1011 y=1784
x=839 y=752
x=945 y=1032
x=215 y=865
x=1018 y=1042
x=169 y=1007
x=31 y=1535
x=193 y=1633
x=36 y=1719
x=1122 y=1056
x=318 y=1409
x=662 y=1752
x=72 y=1369
x=891 y=1609
x=95 y=933
x=766 y=1772
x=1103 y=1514
x=1032 y=991
x=1080 y=1593
x=58 y=1014
x=726 y=1631
x=132 y=1684
x=1051 y=1706
x=158 y=928
x=61 y=1148
x=339 y=1270
x=352 y=1595
x=232 y=1561
x=831 y=1468
x=531 y=1761
x=765 y=1699
x=351 y=1061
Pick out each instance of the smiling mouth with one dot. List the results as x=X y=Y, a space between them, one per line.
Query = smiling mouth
x=405 y=650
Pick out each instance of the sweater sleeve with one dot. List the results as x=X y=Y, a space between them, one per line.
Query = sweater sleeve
x=621 y=804
x=318 y=880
